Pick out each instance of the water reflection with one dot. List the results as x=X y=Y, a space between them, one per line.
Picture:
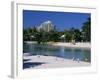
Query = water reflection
x=48 y=50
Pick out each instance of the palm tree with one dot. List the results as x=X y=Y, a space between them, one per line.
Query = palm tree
x=77 y=35
x=86 y=29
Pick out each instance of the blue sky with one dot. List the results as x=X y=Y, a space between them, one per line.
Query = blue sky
x=62 y=20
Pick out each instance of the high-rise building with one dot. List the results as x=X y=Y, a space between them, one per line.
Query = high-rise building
x=46 y=26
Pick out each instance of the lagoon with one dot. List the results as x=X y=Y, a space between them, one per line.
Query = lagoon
x=58 y=51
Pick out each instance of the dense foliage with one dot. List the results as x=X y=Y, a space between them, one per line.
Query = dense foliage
x=83 y=35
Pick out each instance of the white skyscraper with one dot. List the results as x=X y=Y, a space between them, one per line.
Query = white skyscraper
x=46 y=26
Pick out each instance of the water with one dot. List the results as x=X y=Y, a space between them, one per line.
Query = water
x=63 y=52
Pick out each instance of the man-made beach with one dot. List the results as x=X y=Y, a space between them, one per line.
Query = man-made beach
x=40 y=61
x=68 y=44
x=77 y=45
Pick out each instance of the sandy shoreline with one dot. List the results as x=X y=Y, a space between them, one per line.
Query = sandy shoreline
x=40 y=61
x=77 y=45
x=85 y=45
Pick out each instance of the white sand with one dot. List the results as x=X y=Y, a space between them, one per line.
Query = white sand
x=52 y=62
x=67 y=44
x=77 y=45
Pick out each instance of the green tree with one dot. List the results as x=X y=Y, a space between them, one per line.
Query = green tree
x=86 y=30
x=38 y=37
x=68 y=36
x=72 y=33
x=26 y=35
x=54 y=36
x=77 y=35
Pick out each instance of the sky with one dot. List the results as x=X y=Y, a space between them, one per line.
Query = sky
x=62 y=20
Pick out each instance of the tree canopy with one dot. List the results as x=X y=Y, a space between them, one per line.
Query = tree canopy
x=83 y=34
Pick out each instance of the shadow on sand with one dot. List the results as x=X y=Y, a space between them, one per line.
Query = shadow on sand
x=24 y=60
x=27 y=64
x=31 y=64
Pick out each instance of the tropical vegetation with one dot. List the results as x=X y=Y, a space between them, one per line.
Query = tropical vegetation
x=72 y=34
